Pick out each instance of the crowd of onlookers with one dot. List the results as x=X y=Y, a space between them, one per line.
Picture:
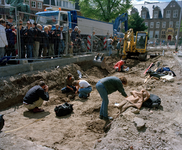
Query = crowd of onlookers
x=34 y=40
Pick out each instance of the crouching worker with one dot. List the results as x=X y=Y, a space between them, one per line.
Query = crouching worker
x=68 y=84
x=35 y=96
x=83 y=87
x=107 y=86
x=119 y=66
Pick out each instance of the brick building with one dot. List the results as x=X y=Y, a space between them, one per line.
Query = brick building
x=162 y=19
x=40 y=5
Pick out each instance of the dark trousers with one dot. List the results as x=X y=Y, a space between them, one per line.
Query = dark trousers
x=66 y=90
x=56 y=46
x=10 y=50
x=22 y=51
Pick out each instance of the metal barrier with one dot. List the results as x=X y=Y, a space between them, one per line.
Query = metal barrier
x=33 y=42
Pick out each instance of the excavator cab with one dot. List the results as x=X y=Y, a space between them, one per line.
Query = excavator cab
x=141 y=41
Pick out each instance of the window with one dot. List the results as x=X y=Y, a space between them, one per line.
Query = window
x=65 y=4
x=157 y=24
x=151 y=24
x=133 y=13
x=177 y=24
x=33 y=4
x=156 y=34
x=143 y=15
x=163 y=34
x=27 y=2
x=0 y=1
x=174 y=5
x=175 y=13
x=171 y=5
x=39 y=5
x=146 y=24
x=151 y=34
x=170 y=24
x=59 y=3
x=168 y=13
x=163 y=24
x=155 y=14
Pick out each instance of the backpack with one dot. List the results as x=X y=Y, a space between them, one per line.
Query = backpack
x=153 y=101
x=63 y=110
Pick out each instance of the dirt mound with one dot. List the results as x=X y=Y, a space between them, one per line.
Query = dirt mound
x=96 y=126
x=97 y=72
x=82 y=128
x=13 y=89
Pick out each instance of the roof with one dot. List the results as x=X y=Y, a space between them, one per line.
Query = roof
x=162 y=6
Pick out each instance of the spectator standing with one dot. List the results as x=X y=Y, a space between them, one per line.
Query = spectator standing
x=119 y=46
x=51 y=41
x=61 y=43
x=21 y=34
x=109 y=45
x=3 y=38
x=11 y=40
x=40 y=39
x=29 y=40
x=79 y=38
x=45 y=40
x=37 y=35
x=74 y=34
x=21 y=29
x=70 y=43
x=57 y=39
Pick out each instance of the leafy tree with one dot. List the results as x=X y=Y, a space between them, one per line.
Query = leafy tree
x=136 y=23
x=104 y=10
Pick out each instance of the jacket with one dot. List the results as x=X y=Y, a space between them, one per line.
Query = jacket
x=45 y=39
x=10 y=37
x=34 y=94
x=3 y=38
x=29 y=39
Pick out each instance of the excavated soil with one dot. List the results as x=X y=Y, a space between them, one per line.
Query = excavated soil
x=83 y=129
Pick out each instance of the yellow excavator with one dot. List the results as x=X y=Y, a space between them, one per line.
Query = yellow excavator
x=135 y=46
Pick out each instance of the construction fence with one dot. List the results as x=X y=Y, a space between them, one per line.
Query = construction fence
x=35 y=37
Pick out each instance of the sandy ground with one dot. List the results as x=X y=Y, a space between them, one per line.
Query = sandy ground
x=83 y=129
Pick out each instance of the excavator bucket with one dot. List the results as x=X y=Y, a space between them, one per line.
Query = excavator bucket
x=100 y=61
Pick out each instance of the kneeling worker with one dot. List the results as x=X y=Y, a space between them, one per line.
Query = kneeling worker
x=119 y=66
x=83 y=87
x=35 y=97
x=68 y=84
x=107 y=86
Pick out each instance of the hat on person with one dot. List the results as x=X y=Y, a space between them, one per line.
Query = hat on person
x=70 y=28
x=28 y=22
x=61 y=26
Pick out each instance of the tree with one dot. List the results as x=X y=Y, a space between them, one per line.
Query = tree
x=104 y=10
x=136 y=23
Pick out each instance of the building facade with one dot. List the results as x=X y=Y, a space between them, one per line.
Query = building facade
x=40 y=5
x=162 y=19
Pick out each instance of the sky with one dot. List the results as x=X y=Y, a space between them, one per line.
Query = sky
x=142 y=1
